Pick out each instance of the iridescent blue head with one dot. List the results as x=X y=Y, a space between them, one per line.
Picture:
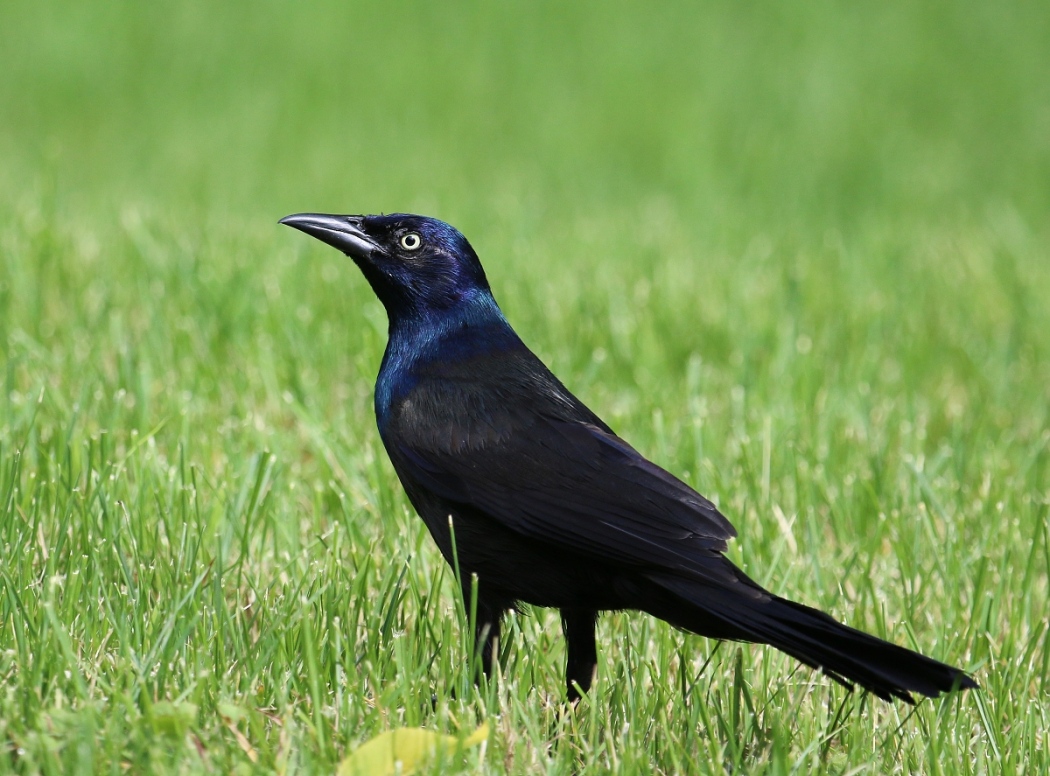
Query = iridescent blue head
x=414 y=264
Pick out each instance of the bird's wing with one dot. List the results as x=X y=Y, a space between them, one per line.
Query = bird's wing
x=535 y=459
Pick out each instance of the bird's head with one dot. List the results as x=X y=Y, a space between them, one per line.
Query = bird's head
x=413 y=263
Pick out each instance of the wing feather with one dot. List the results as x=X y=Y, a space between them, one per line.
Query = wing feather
x=551 y=471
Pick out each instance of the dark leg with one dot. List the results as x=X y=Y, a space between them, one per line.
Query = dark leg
x=486 y=635
x=486 y=627
x=578 y=627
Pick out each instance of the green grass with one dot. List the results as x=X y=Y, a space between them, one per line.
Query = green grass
x=797 y=254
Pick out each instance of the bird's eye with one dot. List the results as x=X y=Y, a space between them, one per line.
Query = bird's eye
x=411 y=241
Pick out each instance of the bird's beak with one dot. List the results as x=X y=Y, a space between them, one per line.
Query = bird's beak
x=341 y=232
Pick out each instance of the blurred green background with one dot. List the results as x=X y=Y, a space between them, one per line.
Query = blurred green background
x=761 y=113
x=797 y=253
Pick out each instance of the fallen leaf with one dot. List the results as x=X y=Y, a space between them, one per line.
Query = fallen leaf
x=403 y=750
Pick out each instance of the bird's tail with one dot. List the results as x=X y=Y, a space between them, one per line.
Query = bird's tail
x=849 y=656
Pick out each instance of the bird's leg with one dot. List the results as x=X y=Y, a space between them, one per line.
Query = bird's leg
x=486 y=637
x=578 y=627
x=488 y=614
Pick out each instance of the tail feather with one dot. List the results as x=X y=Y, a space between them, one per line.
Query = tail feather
x=847 y=655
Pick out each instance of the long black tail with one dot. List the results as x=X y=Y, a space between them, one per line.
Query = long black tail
x=746 y=612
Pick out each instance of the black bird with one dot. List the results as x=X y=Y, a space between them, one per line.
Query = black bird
x=547 y=505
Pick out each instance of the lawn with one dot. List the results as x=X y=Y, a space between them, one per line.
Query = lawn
x=797 y=254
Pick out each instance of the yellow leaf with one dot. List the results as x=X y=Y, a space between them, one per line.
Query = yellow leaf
x=409 y=747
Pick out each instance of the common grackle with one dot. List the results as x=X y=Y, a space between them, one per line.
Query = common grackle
x=547 y=505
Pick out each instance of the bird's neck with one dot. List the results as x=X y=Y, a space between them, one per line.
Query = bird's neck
x=422 y=337
x=419 y=329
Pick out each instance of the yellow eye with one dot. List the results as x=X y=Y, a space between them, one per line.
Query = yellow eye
x=411 y=241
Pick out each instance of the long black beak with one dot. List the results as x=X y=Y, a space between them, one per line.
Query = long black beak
x=341 y=232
